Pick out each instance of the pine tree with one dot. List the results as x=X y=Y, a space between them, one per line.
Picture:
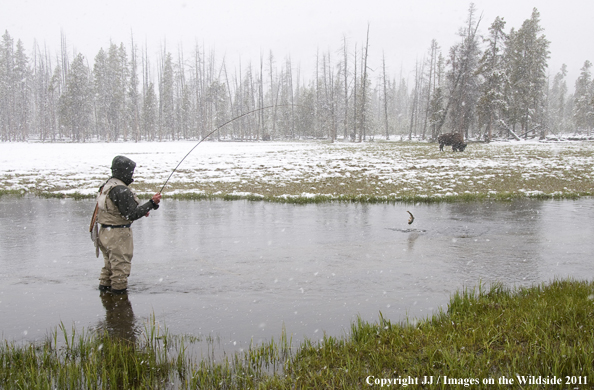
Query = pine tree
x=462 y=76
x=54 y=93
x=183 y=100
x=306 y=110
x=166 y=100
x=116 y=88
x=526 y=57
x=583 y=110
x=22 y=79
x=40 y=93
x=436 y=111
x=7 y=88
x=102 y=94
x=430 y=85
x=133 y=101
x=401 y=106
x=123 y=76
x=557 y=102
x=75 y=103
x=433 y=97
x=492 y=102
x=150 y=112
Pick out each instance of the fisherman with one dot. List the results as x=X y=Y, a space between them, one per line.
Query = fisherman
x=117 y=208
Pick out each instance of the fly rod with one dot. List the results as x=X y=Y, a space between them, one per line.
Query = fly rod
x=212 y=132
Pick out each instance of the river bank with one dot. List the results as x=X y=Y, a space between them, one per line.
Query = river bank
x=306 y=172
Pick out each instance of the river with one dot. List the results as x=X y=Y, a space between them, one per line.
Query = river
x=240 y=271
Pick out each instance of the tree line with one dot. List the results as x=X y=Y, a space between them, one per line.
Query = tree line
x=485 y=86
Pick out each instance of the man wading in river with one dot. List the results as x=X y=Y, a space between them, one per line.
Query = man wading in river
x=117 y=208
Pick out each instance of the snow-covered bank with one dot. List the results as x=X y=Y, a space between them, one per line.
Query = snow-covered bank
x=305 y=169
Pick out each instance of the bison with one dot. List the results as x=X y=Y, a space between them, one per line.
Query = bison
x=454 y=139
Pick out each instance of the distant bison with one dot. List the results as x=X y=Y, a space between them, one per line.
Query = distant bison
x=454 y=139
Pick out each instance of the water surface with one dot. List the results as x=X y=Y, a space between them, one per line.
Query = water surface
x=239 y=271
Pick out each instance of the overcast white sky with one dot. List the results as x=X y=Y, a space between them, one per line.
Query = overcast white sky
x=402 y=29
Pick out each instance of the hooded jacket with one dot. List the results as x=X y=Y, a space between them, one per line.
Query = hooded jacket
x=118 y=205
x=123 y=168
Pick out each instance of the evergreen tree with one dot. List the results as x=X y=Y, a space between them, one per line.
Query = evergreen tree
x=22 y=79
x=401 y=106
x=557 y=103
x=217 y=99
x=248 y=101
x=527 y=57
x=7 y=88
x=150 y=112
x=54 y=93
x=102 y=94
x=492 y=102
x=133 y=101
x=430 y=86
x=15 y=90
x=462 y=77
x=41 y=79
x=166 y=100
x=183 y=108
x=116 y=86
x=75 y=105
x=123 y=89
x=436 y=111
x=306 y=109
x=583 y=110
x=287 y=101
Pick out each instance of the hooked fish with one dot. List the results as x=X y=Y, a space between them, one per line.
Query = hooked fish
x=411 y=219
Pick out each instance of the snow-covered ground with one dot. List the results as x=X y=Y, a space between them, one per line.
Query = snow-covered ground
x=289 y=169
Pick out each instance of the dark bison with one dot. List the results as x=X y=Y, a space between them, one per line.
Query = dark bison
x=454 y=139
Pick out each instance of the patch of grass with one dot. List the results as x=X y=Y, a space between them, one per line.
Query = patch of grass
x=12 y=192
x=85 y=361
x=541 y=331
x=485 y=334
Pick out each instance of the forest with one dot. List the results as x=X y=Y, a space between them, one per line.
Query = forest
x=488 y=85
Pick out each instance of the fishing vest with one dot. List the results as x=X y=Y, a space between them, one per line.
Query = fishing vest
x=108 y=213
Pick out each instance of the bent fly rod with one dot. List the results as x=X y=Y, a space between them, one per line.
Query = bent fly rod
x=214 y=131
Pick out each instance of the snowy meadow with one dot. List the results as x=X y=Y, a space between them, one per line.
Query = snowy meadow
x=307 y=171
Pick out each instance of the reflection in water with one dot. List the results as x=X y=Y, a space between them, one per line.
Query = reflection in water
x=119 y=317
x=412 y=237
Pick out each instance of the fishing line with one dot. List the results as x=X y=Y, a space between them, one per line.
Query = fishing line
x=218 y=128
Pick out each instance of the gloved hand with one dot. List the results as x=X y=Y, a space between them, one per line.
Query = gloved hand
x=155 y=201
x=156 y=198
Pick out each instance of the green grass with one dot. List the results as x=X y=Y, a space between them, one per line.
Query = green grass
x=485 y=334
x=13 y=192
x=541 y=331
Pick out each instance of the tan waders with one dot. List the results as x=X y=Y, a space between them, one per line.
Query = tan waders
x=117 y=247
